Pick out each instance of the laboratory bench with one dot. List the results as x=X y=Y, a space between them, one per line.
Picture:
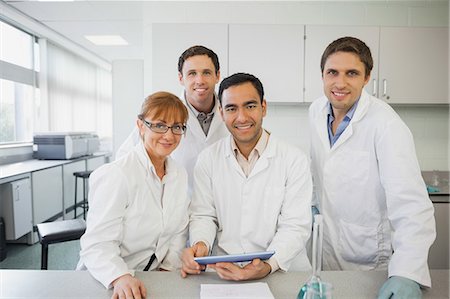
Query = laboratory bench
x=437 y=184
x=164 y=285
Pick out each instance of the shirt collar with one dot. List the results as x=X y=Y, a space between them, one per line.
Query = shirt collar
x=171 y=170
x=349 y=113
x=196 y=112
x=259 y=147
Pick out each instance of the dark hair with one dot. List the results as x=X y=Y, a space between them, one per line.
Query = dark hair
x=351 y=45
x=164 y=105
x=238 y=79
x=195 y=51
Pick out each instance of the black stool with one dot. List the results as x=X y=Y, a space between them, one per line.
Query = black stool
x=57 y=232
x=85 y=176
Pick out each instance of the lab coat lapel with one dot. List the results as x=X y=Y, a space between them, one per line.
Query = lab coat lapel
x=193 y=125
x=264 y=159
x=148 y=166
x=360 y=111
x=231 y=158
x=215 y=123
x=322 y=125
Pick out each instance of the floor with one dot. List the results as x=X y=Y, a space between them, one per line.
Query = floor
x=61 y=256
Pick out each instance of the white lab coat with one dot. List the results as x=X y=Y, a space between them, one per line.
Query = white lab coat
x=371 y=193
x=191 y=144
x=269 y=210
x=132 y=216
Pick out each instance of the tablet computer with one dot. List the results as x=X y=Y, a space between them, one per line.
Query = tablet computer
x=234 y=258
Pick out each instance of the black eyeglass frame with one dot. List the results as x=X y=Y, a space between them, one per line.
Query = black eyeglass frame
x=151 y=126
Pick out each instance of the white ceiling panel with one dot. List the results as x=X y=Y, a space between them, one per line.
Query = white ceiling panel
x=76 y=19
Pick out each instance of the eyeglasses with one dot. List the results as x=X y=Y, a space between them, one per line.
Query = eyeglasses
x=161 y=128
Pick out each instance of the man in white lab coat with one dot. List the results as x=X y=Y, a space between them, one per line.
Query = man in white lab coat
x=252 y=192
x=198 y=73
x=367 y=181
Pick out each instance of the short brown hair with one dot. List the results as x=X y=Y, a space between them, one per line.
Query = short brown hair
x=351 y=45
x=165 y=106
x=195 y=51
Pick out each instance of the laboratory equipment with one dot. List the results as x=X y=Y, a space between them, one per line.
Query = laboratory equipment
x=315 y=288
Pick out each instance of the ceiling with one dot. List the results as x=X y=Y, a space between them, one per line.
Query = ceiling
x=79 y=18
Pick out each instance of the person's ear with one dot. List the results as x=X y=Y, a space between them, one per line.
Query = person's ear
x=367 y=79
x=218 y=76
x=180 y=78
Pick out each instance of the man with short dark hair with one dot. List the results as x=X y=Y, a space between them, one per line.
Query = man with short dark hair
x=198 y=72
x=367 y=180
x=252 y=192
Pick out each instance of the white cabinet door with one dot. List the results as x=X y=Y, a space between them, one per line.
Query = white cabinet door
x=274 y=54
x=414 y=65
x=171 y=40
x=47 y=186
x=15 y=208
x=69 y=186
x=318 y=38
x=439 y=251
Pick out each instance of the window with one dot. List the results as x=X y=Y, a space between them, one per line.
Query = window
x=17 y=85
x=74 y=94
x=16 y=113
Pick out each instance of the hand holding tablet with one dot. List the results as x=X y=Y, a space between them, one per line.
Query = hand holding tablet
x=234 y=258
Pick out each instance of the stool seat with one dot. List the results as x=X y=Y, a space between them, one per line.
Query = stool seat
x=83 y=174
x=61 y=231
x=56 y=232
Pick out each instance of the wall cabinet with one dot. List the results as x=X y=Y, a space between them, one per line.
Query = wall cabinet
x=410 y=63
x=274 y=54
x=170 y=40
x=15 y=208
x=413 y=65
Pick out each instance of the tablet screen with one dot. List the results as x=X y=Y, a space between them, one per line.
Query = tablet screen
x=234 y=258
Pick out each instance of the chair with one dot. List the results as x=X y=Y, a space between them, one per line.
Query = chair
x=85 y=176
x=57 y=232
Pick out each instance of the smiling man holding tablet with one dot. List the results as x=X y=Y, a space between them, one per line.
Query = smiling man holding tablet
x=252 y=193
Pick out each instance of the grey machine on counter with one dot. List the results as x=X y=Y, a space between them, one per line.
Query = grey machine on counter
x=66 y=145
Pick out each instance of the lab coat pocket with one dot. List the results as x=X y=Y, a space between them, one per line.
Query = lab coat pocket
x=358 y=244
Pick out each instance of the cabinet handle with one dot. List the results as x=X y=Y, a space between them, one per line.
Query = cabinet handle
x=374 y=86
x=17 y=197
x=384 y=87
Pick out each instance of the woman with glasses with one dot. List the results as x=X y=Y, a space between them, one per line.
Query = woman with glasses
x=138 y=205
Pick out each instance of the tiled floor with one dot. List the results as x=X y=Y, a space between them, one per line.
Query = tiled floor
x=61 y=256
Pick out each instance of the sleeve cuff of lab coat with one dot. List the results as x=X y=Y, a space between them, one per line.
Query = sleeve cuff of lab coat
x=273 y=264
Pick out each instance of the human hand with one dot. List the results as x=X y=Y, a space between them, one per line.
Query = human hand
x=189 y=266
x=255 y=270
x=128 y=287
x=397 y=287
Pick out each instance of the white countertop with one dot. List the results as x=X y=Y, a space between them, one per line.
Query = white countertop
x=13 y=169
x=80 y=284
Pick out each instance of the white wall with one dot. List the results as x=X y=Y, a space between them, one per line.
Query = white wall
x=127 y=97
x=429 y=125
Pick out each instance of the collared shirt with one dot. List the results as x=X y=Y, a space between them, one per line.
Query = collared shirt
x=248 y=164
x=204 y=119
x=342 y=126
